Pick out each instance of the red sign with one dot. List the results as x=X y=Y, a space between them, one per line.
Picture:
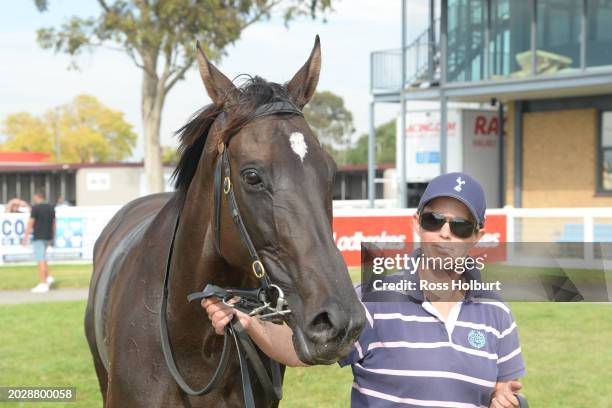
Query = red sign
x=495 y=229
x=493 y=241
x=24 y=157
x=487 y=125
x=351 y=231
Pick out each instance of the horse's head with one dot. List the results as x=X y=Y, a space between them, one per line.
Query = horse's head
x=283 y=180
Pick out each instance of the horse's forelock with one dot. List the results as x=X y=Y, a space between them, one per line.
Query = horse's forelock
x=240 y=108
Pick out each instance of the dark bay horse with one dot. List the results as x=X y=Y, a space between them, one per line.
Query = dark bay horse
x=282 y=180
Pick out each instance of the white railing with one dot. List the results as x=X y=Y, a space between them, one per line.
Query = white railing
x=365 y=204
x=522 y=224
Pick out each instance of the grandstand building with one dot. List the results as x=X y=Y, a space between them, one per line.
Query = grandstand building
x=544 y=64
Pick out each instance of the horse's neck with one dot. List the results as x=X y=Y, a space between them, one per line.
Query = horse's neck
x=196 y=261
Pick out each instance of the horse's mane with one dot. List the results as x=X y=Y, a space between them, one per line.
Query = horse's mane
x=238 y=107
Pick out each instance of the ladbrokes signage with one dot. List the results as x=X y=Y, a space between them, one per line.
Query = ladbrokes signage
x=351 y=230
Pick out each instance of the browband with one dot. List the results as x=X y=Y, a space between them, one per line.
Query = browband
x=273 y=108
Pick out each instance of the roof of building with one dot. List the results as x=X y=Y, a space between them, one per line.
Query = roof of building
x=24 y=157
x=54 y=167
x=364 y=167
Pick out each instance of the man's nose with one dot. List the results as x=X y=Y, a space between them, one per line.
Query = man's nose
x=445 y=231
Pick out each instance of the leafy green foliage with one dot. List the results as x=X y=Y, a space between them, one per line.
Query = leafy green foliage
x=87 y=130
x=27 y=133
x=159 y=36
x=170 y=155
x=385 y=145
x=331 y=122
x=166 y=30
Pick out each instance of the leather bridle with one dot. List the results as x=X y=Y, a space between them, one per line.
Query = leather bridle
x=255 y=302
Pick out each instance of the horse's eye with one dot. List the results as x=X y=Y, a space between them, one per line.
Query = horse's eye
x=251 y=177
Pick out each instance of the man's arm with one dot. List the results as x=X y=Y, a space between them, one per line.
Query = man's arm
x=274 y=340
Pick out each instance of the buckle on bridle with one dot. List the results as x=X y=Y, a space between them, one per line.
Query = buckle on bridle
x=258 y=269
x=227 y=184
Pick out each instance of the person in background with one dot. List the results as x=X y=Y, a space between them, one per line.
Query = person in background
x=42 y=224
x=61 y=202
x=15 y=205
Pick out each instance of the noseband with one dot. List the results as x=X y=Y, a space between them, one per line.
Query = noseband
x=255 y=302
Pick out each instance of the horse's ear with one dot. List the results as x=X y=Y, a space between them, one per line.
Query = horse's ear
x=303 y=85
x=217 y=85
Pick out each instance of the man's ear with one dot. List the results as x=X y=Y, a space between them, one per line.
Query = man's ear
x=218 y=86
x=302 y=86
x=480 y=234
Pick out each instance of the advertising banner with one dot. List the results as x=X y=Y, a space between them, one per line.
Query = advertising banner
x=77 y=229
x=351 y=230
x=423 y=145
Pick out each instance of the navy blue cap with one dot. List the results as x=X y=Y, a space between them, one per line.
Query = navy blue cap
x=460 y=186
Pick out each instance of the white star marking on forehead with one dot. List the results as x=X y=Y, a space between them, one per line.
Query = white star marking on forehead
x=298 y=145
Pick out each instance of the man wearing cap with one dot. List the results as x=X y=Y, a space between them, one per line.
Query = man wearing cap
x=451 y=348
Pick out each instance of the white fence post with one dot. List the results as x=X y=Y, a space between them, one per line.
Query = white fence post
x=588 y=238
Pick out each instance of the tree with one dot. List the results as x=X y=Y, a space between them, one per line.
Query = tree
x=159 y=37
x=385 y=145
x=331 y=122
x=170 y=154
x=27 y=133
x=87 y=132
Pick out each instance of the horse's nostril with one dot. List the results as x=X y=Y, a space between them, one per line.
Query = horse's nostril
x=326 y=326
x=321 y=322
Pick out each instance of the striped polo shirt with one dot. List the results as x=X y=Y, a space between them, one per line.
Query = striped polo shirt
x=408 y=356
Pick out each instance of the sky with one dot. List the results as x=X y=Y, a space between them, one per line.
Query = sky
x=35 y=80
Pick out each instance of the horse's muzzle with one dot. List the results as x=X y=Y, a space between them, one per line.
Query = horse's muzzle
x=330 y=335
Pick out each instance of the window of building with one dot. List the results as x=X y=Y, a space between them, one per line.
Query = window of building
x=605 y=152
x=599 y=34
x=466 y=28
x=506 y=24
x=509 y=38
x=558 y=35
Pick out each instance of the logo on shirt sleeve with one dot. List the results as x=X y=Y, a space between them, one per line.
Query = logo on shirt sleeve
x=477 y=339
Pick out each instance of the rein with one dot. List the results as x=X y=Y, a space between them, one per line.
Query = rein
x=255 y=302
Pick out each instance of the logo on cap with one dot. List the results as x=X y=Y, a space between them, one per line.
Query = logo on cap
x=460 y=182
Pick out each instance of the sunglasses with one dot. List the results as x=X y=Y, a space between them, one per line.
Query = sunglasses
x=432 y=221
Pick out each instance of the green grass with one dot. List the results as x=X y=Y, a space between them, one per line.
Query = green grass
x=567 y=349
x=25 y=277
x=355 y=274
x=568 y=353
x=44 y=345
x=520 y=274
